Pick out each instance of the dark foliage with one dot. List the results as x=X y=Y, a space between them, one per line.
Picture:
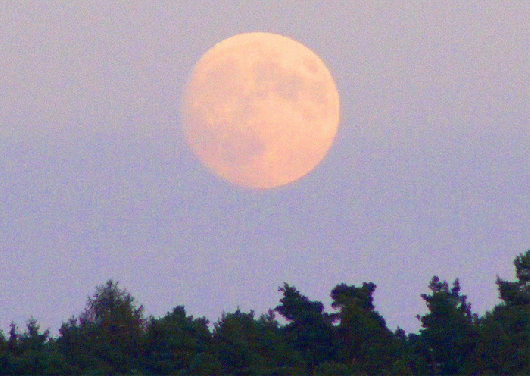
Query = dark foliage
x=309 y=330
x=107 y=336
x=175 y=343
x=367 y=345
x=112 y=337
x=449 y=335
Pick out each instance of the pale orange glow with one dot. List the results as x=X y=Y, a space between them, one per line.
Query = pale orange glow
x=260 y=110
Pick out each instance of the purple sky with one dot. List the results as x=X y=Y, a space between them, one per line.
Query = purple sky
x=429 y=174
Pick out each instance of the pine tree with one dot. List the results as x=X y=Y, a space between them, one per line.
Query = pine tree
x=309 y=329
x=174 y=342
x=107 y=336
x=367 y=342
x=504 y=343
x=449 y=335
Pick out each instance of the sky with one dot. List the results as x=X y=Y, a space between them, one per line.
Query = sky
x=429 y=173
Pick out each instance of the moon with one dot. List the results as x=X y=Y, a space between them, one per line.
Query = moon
x=260 y=110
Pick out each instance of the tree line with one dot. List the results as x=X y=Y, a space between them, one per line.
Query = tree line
x=112 y=336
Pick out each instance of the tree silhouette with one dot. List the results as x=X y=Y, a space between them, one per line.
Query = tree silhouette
x=367 y=342
x=174 y=342
x=111 y=337
x=448 y=335
x=309 y=329
x=504 y=343
x=107 y=336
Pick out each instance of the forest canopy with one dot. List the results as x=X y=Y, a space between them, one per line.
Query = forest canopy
x=113 y=336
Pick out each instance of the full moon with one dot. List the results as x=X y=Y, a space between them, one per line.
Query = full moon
x=260 y=110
